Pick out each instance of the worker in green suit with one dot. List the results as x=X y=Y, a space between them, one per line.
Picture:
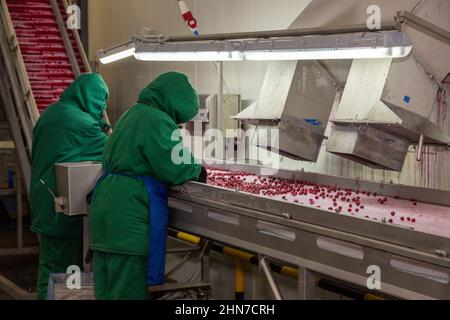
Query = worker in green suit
x=70 y=130
x=128 y=214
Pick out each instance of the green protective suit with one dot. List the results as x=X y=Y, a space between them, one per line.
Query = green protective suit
x=142 y=144
x=68 y=131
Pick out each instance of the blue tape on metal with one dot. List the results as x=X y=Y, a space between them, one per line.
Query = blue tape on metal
x=313 y=122
x=407 y=99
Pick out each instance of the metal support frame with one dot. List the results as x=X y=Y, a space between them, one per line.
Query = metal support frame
x=15 y=128
x=13 y=290
x=306 y=284
x=203 y=287
x=20 y=249
x=19 y=213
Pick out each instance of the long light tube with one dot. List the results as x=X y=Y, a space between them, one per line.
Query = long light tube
x=118 y=53
x=189 y=56
x=329 y=54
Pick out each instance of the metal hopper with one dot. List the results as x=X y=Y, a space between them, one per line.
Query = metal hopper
x=296 y=98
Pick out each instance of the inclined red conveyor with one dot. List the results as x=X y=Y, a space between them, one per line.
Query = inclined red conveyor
x=42 y=47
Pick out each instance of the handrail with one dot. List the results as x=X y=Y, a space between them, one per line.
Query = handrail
x=66 y=40
x=79 y=44
x=19 y=64
x=15 y=79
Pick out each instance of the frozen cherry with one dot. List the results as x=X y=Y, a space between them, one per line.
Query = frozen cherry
x=393 y=213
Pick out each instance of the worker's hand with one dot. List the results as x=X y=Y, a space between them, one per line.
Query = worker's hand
x=203 y=176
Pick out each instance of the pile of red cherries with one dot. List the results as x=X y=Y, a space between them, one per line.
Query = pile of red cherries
x=326 y=197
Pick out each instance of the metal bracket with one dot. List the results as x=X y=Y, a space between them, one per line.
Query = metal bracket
x=59 y=204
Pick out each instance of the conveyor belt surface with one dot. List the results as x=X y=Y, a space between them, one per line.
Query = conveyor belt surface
x=405 y=213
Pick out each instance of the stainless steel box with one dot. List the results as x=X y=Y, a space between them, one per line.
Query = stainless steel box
x=74 y=181
x=368 y=145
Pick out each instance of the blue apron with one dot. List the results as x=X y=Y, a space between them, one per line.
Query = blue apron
x=157 y=198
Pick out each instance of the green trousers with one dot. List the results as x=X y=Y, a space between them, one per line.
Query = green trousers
x=120 y=277
x=55 y=256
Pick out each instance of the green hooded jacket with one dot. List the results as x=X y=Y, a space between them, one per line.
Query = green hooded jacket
x=68 y=131
x=142 y=144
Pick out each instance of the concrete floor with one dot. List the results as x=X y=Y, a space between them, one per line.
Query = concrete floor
x=22 y=270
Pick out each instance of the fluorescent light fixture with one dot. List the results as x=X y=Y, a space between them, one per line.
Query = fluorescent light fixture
x=189 y=56
x=329 y=54
x=377 y=45
x=371 y=45
x=361 y=45
x=186 y=51
x=117 y=53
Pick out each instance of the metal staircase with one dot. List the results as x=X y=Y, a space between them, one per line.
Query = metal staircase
x=40 y=58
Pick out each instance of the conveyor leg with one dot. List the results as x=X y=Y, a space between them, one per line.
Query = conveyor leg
x=205 y=263
x=19 y=211
x=272 y=283
x=306 y=284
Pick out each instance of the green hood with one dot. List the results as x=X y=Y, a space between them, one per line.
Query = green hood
x=89 y=92
x=173 y=94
